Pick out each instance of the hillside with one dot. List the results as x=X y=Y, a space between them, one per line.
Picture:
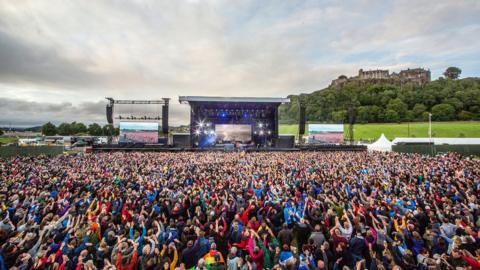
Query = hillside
x=446 y=99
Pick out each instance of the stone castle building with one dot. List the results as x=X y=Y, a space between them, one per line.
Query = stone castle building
x=373 y=74
x=417 y=76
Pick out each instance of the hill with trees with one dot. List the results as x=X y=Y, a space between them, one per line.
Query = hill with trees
x=75 y=128
x=448 y=99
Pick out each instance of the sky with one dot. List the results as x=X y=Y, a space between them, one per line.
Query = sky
x=59 y=59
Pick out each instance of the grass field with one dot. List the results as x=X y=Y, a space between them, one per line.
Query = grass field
x=5 y=140
x=392 y=131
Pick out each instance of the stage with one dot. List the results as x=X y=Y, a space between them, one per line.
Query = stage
x=246 y=120
x=216 y=124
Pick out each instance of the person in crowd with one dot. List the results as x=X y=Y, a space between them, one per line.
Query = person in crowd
x=248 y=211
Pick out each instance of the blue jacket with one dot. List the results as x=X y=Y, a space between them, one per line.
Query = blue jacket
x=288 y=218
x=173 y=232
x=284 y=256
x=204 y=247
x=151 y=197
x=357 y=246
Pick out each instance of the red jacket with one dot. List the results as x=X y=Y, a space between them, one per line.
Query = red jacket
x=130 y=266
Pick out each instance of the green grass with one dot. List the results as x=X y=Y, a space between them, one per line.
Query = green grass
x=288 y=129
x=393 y=130
x=5 y=140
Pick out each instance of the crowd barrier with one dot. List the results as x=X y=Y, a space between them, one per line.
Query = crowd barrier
x=164 y=148
x=11 y=151
x=430 y=149
x=332 y=147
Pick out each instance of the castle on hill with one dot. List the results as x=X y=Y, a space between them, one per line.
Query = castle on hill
x=417 y=76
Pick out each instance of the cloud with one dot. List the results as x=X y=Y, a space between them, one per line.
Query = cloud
x=77 y=52
x=22 y=62
x=25 y=113
x=29 y=113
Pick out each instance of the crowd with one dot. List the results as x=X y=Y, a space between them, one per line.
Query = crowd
x=237 y=211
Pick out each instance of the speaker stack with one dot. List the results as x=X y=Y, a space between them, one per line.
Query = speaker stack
x=165 y=118
x=110 y=114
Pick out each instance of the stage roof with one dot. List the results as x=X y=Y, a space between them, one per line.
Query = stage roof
x=232 y=99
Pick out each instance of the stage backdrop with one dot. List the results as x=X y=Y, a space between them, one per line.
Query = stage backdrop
x=325 y=133
x=233 y=133
x=138 y=132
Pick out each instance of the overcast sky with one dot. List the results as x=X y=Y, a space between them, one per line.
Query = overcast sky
x=59 y=59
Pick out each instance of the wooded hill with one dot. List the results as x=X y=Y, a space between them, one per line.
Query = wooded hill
x=446 y=99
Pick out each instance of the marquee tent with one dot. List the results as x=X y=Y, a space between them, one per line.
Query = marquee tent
x=382 y=144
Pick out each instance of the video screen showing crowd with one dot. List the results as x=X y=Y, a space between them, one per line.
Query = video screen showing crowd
x=240 y=211
x=138 y=132
x=325 y=133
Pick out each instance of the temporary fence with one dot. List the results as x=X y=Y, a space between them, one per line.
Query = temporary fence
x=9 y=151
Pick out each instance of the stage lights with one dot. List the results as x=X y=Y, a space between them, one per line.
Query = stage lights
x=262 y=130
x=204 y=129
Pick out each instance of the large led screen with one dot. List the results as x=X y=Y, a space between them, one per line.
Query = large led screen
x=325 y=133
x=233 y=133
x=138 y=132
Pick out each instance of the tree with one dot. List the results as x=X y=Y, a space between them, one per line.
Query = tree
x=391 y=116
x=76 y=128
x=409 y=116
x=398 y=106
x=418 y=110
x=427 y=96
x=95 y=129
x=363 y=115
x=425 y=116
x=64 y=129
x=49 y=129
x=464 y=115
x=385 y=97
x=339 y=116
x=443 y=112
x=368 y=114
x=455 y=102
x=452 y=73
x=108 y=130
x=1 y=132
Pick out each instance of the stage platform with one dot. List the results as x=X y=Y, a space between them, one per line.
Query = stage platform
x=166 y=148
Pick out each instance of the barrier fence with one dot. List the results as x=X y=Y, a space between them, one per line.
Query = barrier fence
x=430 y=149
x=11 y=151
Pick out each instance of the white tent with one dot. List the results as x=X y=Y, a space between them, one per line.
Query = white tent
x=382 y=144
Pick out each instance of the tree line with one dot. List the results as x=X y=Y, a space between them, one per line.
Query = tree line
x=446 y=98
x=74 y=128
